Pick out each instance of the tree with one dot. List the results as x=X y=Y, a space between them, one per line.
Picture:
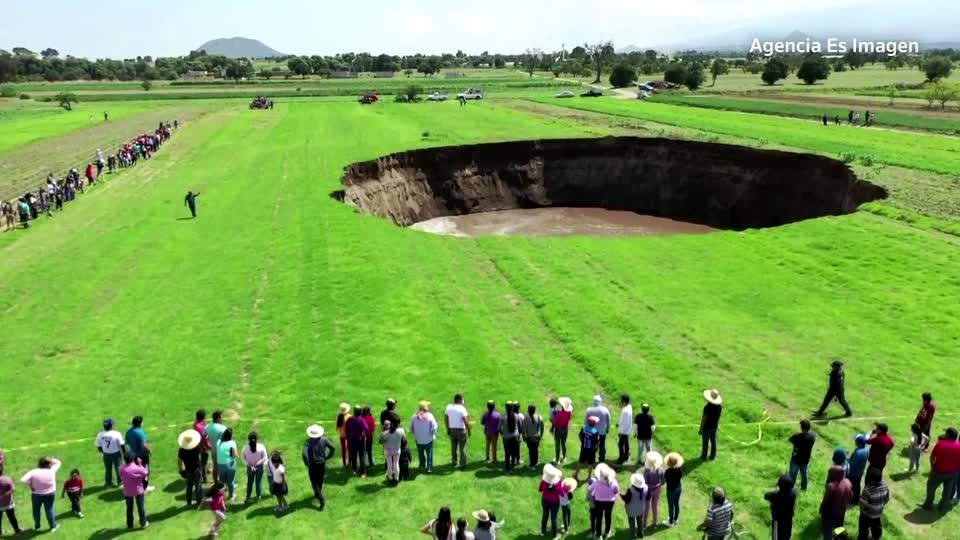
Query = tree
x=408 y=72
x=601 y=54
x=675 y=73
x=265 y=74
x=531 y=58
x=622 y=76
x=892 y=93
x=147 y=85
x=774 y=70
x=8 y=67
x=814 y=68
x=556 y=68
x=299 y=66
x=49 y=53
x=23 y=51
x=8 y=91
x=66 y=99
x=936 y=68
x=694 y=76
x=894 y=63
x=238 y=69
x=411 y=93
x=942 y=92
x=719 y=67
x=854 y=59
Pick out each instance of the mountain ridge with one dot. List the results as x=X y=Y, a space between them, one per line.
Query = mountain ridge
x=239 y=47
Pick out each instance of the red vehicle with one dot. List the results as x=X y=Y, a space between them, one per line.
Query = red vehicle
x=369 y=99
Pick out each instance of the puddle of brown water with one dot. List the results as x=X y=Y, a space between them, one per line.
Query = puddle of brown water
x=558 y=221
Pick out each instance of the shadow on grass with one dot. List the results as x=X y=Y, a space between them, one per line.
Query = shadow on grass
x=920 y=516
x=186 y=219
x=176 y=486
x=303 y=504
x=112 y=496
x=901 y=476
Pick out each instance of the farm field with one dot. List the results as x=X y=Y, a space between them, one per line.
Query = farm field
x=870 y=76
x=309 y=304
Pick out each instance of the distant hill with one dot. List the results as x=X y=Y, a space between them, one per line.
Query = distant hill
x=237 y=47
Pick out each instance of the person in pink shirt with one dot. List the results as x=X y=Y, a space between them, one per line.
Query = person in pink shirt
x=132 y=475
x=8 y=505
x=561 y=410
x=255 y=458
x=218 y=505
x=42 y=482
x=551 y=492
x=604 y=493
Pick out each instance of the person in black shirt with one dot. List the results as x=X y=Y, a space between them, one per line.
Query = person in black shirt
x=802 y=448
x=390 y=413
x=191 y=201
x=645 y=428
x=188 y=460
x=710 y=422
x=316 y=452
x=835 y=390
x=782 y=503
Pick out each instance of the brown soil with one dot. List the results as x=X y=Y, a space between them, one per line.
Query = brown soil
x=722 y=186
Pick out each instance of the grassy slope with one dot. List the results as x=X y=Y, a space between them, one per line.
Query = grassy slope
x=309 y=304
x=926 y=152
x=23 y=125
x=884 y=118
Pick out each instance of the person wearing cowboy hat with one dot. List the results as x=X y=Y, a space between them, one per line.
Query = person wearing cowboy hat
x=589 y=439
x=561 y=411
x=653 y=475
x=551 y=491
x=835 y=390
x=635 y=502
x=487 y=525
x=604 y=491
x=424 y=428
x=673 y=477
x=569 y=486
x=189 y=465
x=602 y=413
x=710 y=422
x=316 y=452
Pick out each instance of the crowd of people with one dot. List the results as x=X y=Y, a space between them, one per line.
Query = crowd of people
x=853 y=119
x=54 y=192
x=209 y=455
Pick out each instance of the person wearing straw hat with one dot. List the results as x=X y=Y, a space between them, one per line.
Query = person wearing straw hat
x=710 y=422
x=109 y=443
x=604 y=492
x=653 y=475
x=835 y=390
x=487 y=525
x=343 y=414
x=561 y=411
x=602 y=413
x=566 y=501
x=424 y=428
x=316 y=452
x=589 y=439
x=551 y=491
x=635 y=502
x=189 y=466
x=673 y=477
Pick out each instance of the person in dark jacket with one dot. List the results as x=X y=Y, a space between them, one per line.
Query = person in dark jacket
x=390 y=413
x=836 y=498
x=191 y=201
x=782 y=501
x=356 y=430
x=316 y=452
x=835 y=390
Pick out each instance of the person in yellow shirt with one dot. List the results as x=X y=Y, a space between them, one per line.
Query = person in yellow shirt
x=342 y=418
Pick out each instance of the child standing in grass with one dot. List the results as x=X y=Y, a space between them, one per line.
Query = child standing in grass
x=278 y=480
x=566 y=501
x=218 y=505
x=73 y=488
x=918 y=441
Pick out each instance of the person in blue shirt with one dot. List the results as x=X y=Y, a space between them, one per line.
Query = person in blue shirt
x=858 y=465
x=136 y=440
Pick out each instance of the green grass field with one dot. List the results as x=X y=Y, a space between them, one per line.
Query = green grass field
x=278 y=303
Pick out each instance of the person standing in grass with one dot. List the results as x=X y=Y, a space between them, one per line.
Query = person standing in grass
x=367 y=416
x=190 y=201
x=42 y=482
x=8 y=503
x=110 y=445
x=551 y=491
x=589 y=439
x=944 y=468
x=317 y=451
x=646 y=425
x=392 y=437
x=840 y=460
x=561 y=411
x=491 y=430
x=278 y=480
x=836 y=498
x=673 y=477
x=487 y=525
x=424 y=428
x=532 y=429
x=925 y=416
x=874 y=498
x=440 y=528
x=710 y=423
x=625 y=429
x=218 y=505
x=136 y=440
x=918 y=442
x=602 y=413
x=255 y=457
x=604 y=492
x=214 y=432
x=802 y=450
x=457 y=421
x=566 y=502
x=390 y=413
x=510 y=425
x=227 y=462
x=653 y=476
x=857 y=465
x=880 y=445
x=835 y=390
x=783 y=502
x=133 y=477
x=200 y=426
x=188 y=465
x=635 y=501
x=73 y=488
x=356 y=430
x=719 y=519
x=343 y=414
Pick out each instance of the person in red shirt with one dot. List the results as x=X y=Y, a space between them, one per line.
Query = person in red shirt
x=371 y=424
x=89 y=173
x=73 y=488
x=561 y=410
x=880 y=445
x=944 y=468
x=925 y=416
x=200 y=425
x=218 y=505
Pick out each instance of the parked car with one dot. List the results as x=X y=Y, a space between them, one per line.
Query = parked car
x=661 y=85
x=437 y=96
x=593 y=92
x=644 y=87
x=565 y=94
x=471 y=93
x=368 y=99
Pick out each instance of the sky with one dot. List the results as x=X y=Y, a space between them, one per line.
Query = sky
x=121 y=28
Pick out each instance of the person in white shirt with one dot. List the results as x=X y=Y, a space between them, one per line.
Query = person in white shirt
x=110 y=445
x=458 y=428
x=424 y=428
x=624 y=426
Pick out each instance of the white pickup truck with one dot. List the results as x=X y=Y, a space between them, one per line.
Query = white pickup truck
x=471 y=93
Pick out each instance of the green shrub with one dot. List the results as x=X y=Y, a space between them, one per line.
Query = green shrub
x=622 y=76
x=8 y=91
x=848 y=157
x=24 y=96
